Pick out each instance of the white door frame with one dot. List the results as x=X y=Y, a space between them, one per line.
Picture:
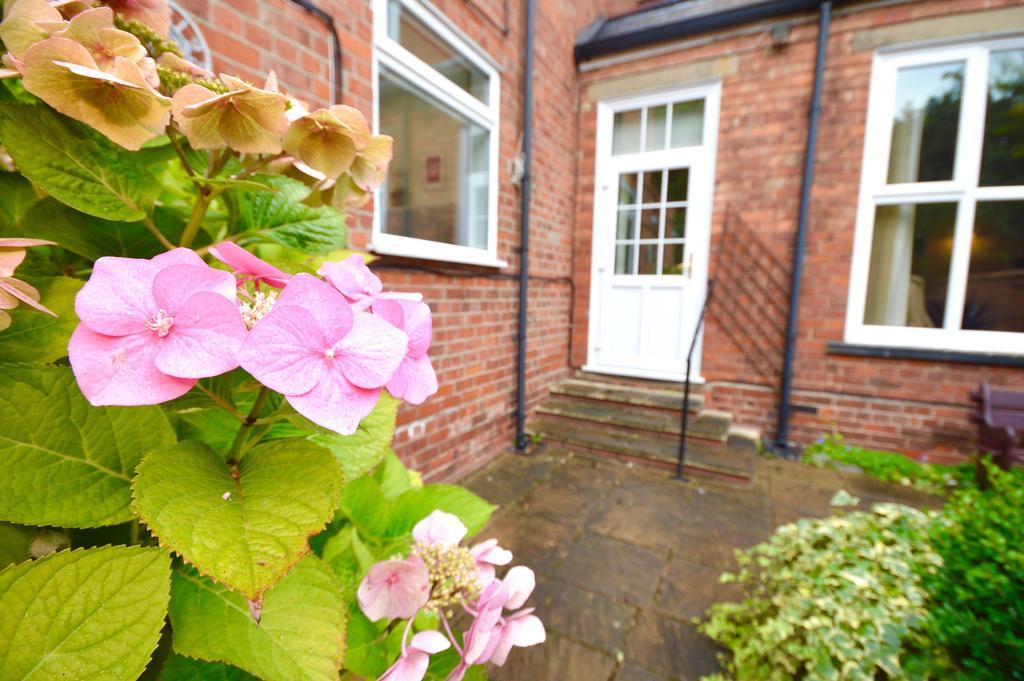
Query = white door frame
x=698 y=239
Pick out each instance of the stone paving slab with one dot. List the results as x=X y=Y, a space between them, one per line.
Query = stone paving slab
x=613 y=568
x=585 y=616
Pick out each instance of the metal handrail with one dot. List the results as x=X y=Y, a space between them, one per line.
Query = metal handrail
x=686 y=387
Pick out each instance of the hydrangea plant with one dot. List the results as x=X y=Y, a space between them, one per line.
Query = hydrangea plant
x=199 y=384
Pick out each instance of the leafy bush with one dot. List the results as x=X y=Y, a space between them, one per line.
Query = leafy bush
x=826 y=599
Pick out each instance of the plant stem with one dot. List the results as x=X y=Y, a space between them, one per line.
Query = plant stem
x=195 y=220
x=176 y=143
x=133 y=532
x=155 y=231
x=259 y=163
x=221 y=402
x=245 y=429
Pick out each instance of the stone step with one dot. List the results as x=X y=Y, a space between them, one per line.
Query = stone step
x=706 y=425
x=714 y=458
x=658 y=398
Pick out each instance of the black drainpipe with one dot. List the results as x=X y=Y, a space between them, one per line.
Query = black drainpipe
x=328 y=22
x=785 y=389
x=524 y=232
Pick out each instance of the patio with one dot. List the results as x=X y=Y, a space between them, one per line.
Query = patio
x=625 y=556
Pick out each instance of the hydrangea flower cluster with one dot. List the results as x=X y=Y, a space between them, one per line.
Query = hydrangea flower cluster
x=439 y=575
x=151 y=328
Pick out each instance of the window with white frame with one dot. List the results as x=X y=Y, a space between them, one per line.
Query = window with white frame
x=438 y=97
x=939 y=251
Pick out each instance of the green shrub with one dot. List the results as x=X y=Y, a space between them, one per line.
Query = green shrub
x=827 y=599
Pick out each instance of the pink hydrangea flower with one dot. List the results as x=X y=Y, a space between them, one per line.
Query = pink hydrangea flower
x=328 y=361
x=394 y=589
x=487 y=555
x=247 y=266
x=412 y=665
x=440 y=528
x=415 y=380
x=358 y=284
x=13 y=291
x=150 y=328
x=476 y=643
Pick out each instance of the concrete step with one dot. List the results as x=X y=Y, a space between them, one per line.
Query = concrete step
x=706 y=425
x=658 y=398
x=716 y=459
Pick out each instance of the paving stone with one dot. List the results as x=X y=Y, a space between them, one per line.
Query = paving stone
x=688 y=590
x=651 y=525
x=509 y=477
x=671 y=648
x=536 y=542
x=557 y=659
x=582 y=615
x=613 y=568
x=630 y=672
x=572 y=494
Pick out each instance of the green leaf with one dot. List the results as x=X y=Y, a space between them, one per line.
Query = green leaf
x=417 y=504
x=300 y=635
x=83 y=170
x=18 y=196
x=84 y=614
x=393 y=476
x=34 y=336
x=15 y=543
x=442 y=664
x=365 y=505
x=65 y=462
x=181 y=668
x=349 y=557
x=89 y=236
x=360 y=452
x=282 y=217
x=244 y=525
x=366 y=652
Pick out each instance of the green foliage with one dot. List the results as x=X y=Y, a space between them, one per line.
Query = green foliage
x=243 y=524
x=282 y=217
x=300 y=635
x=37 y=337
x=67 y=463
x=74 y=165
x=181 y=668
x=18 y=195
x=829 y=599
x=15 y=543
x=85 y=614
x=360 y=452
x=88 y=236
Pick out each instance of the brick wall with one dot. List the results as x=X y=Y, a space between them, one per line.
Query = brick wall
x=890 y=403
x=470 y=420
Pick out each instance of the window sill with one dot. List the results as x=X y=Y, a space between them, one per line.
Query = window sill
x=956 y=356
x=427 y=250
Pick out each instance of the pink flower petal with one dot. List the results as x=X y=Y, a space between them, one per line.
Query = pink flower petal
x=285 y=350
x=412 y=667
x=332 y=312
x=204 y=339
x=248 y=265
x=178 y=256
x=335 y=403
x=26 y=293
x=520 y=582
x=516 y=631
x=354 y=279
x=118 y=298
x=410 y=316
x=414 y=380
x=370 y=353
x=440 y=528
x=490 y=552
x=394 y=589
x=430 y=642
x=175 y=285
x=121 y=370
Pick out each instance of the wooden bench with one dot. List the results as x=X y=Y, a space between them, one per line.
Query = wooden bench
x=1000 y=419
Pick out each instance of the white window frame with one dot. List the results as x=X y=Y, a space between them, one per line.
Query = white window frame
x=963 y=189
x=389 y=54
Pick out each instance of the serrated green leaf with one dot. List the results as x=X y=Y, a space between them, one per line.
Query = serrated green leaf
x=18 y=196
x=363 y=503
x=349 y=557
x=360 y=452
x=181 y=668
x=83 y=614
x=300 y=635
x=37 y=337
x=282 y=217
x=83 y=170
x=87 y=235
x=244 y=525
x=392 y=475
x=366 y=652
x=15 y=543
x=417 y=504
x=65 y=462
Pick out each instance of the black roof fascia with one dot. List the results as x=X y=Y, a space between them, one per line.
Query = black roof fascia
x=589 y=49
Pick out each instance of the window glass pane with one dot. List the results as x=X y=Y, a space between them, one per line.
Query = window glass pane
x=909 y=271
x=652 y=187
x=439 y=179
x=677 y=184
x=1002 y=160
x=624 y=259
x=995 y=283
x=672 y=259
x=415 y=36
x=688 y=123
x=675 y=223
x=649 y=223
x=656 y=127
x=926 y=117
x=627 y=189
x=624 y=228
x=648 y=259
x=626 y=132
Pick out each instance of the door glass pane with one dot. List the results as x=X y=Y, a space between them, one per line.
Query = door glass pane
x=648 y=259
x=995 y=282
x=412 y=34
x=624 y=228
x=649 y=223
x=688 y=123
x=675 y=223
x=624 y=259
x=672 y=259
x=437 y=184
x=909 y=271
x=677 y=184
x=627 y=189
x=656 y=127
x=1002 y=160
x=926 y=118
x=626 y=132
x=652 y=187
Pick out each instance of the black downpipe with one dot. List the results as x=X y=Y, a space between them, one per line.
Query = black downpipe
x=524 y=232
x=785 y=389
x=336 y=56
